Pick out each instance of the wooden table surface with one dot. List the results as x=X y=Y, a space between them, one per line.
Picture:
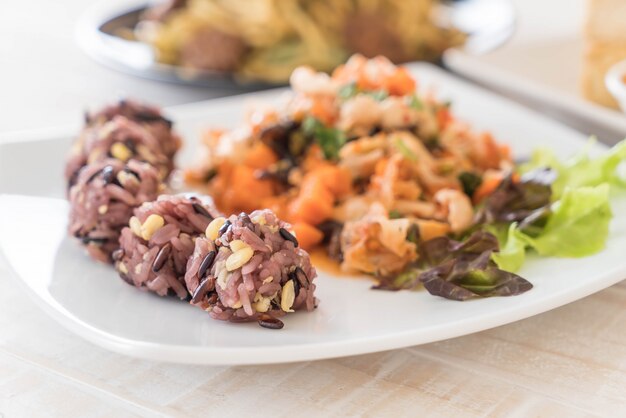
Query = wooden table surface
x=570 y=362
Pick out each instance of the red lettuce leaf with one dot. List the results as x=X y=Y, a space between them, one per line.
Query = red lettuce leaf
x=515 y=201
x=458 y=270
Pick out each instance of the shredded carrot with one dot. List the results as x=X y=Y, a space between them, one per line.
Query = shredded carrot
x=430 y=229
x=381 y=166
x=323 y=109
x=307 y=235
x=337 y=180
x=314 y=203
x=400 y=83
x=444 y=117
x=277 y=204
x=490 y=184
x=491 y=152
x=193 y=176
x=375 y=74
x=239 y=190
x=310 y=209
x=260 y=156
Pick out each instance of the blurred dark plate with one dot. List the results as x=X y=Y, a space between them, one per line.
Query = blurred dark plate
x=488 y=23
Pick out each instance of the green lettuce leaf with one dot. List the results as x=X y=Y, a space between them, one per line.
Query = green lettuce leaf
x=512 y=250
x=578 y=225
x=580 y=170
x=458 y=270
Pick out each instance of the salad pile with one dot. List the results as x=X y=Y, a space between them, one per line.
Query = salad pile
x=375 y=169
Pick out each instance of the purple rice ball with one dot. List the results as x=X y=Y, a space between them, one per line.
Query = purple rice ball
x=158 y=241
x=150 y=117
x=103 y=199
x=250 y=268
x=120 y=138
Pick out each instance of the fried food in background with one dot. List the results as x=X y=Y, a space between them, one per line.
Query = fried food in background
x=267 y=39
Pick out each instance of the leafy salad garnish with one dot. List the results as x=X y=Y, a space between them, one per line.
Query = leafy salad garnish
x=350 y=90
x=330 y=140
x=458 y=270
x=555 y=208
x=582 y=169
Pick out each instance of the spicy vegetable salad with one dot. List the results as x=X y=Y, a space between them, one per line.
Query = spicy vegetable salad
x=382 y=174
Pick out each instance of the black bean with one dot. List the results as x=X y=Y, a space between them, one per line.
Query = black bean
x=296 y=282
x=288 y=236
x=301 y=275
x=96 y=241
x=224 y=228
x=133 y=172
x=108 y=174
x=203 y=288
x=161 y=257
x=91 y=178
x=268 y=321
x=246 y=221
x=118 y=254
x=212 y=298
x=130 y=144
x=200 y=210
x=149 y=117
x=206 y=264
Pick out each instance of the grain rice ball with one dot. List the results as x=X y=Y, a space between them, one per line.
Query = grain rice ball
x=103 y=199
x=120 y=138
x=150 y=117
x=159 y=239
x=250 y=268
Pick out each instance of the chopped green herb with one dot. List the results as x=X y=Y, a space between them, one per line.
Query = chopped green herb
x=329 y=139
x=378 y=95
x=404 y=150
x=394 y=214
x=413 y=234
x=416 y=103
x=350 y=90
x=347 y=91
x=309 y=125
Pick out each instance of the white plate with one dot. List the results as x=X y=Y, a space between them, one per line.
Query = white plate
x=351 y=319
x=502 y=72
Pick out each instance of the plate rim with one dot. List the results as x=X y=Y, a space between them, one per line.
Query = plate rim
x=211 y=355
x=208 y=355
